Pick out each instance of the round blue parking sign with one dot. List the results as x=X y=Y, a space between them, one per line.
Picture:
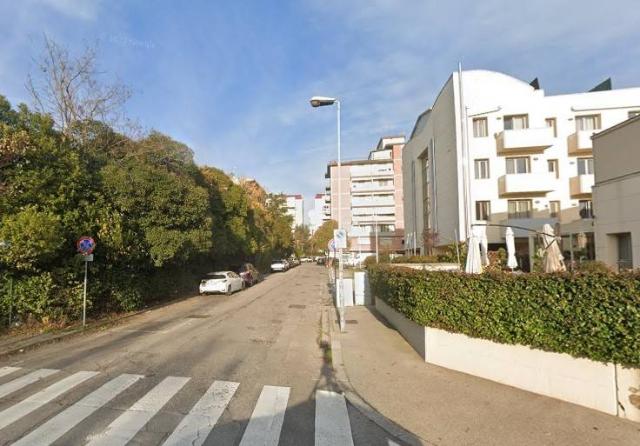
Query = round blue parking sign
x=86 y=245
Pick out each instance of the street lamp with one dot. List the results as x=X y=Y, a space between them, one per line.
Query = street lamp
x=322 y=101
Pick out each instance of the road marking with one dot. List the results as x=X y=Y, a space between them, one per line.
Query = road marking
x=24 y=381
x=6 y=370
x=196 y=426
x=43 y=397
x=267 y=417
x=332 y=420
x=57 y=426
x=127 y=425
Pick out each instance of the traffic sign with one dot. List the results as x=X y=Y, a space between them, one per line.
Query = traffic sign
x=331 y=245
x=86 y=245
x=340 y=237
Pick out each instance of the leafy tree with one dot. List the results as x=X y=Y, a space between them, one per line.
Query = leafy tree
x=321 y=237
x=301 y=240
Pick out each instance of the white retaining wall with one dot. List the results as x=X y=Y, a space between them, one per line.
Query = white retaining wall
x=605 y=387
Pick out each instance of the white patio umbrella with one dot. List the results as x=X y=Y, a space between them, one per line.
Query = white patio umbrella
x=474 y=261
x=552 y=260
x=511 y=249
x=484 y=245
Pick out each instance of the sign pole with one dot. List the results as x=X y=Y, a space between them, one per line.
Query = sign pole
x=84 y=298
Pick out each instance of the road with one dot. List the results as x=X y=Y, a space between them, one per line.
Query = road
x=245 y=369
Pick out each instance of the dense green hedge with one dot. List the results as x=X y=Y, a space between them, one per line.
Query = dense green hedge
x=595 y=315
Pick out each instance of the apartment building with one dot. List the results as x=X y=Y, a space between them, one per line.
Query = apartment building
x=616 y=194
x=495 y=150
x=371 y=199
x=295 y=208
x=320 y=212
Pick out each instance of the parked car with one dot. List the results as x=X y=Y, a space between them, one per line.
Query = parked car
x=306 y=260
x=320 y=260
x=221 y=282
x=279 y=265
x=294 y=261
x=249 y=274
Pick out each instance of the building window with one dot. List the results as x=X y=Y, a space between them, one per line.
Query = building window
x=386 y=228
x=553 y=167
x=588 y=122
x=483 y=210
x=482 y=169
x=480 y=128
x=585 y=166
x=554 y=209
x=518 y=164
x=551 y=122
x=634 y=113
x=520 y=208
x=586 y=209
x=516 y=122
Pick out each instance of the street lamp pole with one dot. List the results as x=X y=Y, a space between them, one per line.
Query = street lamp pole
x=321 y=101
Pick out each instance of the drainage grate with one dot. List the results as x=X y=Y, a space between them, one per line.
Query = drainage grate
x=298 y=306
x=198 y=316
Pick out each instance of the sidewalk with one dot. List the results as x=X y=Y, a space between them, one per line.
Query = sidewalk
x=446 y=407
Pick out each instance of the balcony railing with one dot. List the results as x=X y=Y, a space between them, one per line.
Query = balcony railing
x=370 y=187
x=524 y=140
x=527 y=183
x=581 y=185
x=580 y=143
x=374 y=170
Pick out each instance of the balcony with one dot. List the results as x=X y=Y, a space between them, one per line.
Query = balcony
x=372 y=201
x=524 y=140
x=367 y=186
x=527 y=183
x=581 y=185
x=372 y=170
x=580 y=143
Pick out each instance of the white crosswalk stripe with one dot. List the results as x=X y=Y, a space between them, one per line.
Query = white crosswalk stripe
x=7 y=370
x=196 y=426
x=267 y=417
x=332 y=420
x=24 y=381
x=127 y=425
x=43 y=397
x=72 y=416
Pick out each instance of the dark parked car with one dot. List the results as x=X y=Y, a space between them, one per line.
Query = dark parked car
x=249 y=274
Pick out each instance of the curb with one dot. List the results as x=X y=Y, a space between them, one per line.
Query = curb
x=70 y=332
x=342 y=379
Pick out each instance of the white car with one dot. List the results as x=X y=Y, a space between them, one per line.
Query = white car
x=221 y=282
x=279 y=265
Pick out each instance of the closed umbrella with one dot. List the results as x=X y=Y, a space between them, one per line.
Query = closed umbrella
x=552 y=260
x=511 y=249
x=484 y=245
x=474 y=262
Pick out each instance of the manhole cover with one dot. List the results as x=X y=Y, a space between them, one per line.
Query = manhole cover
x=351 y=322
x=198 y=316
x=298 y=306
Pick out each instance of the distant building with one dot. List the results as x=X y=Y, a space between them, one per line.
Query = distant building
x=295 y=208
x=616 y=194
x=495 y=150
x=371 y=198
x=319 y=213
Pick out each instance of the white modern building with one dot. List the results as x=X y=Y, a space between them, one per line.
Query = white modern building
x=295 y=208
x=371 y=199
x=319 y=213
x=616 y=194
x=495 y=150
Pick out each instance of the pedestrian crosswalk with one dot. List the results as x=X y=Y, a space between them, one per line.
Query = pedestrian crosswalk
x=264 y=425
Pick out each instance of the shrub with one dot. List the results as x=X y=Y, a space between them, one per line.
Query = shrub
x=595 y=316
x=415 y=259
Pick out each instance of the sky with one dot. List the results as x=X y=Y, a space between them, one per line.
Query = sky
x=232 y=79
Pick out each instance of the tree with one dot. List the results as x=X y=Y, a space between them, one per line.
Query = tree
x=70 y=91
x=321 y=237
x=301 y=240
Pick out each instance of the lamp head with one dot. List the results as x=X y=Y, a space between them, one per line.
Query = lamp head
x=321 y=101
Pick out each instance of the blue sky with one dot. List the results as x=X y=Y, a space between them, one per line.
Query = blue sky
x=232 y=78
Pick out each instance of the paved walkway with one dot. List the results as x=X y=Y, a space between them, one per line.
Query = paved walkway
x=446 y=407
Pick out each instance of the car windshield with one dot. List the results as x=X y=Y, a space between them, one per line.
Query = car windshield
x=217 y=276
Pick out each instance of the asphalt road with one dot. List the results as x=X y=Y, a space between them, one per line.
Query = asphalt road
x=227 y=370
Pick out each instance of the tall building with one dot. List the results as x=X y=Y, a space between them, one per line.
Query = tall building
x=319 y=214
x=295 y=208
x=616 y=194
x=371 y=198
x=496 y=150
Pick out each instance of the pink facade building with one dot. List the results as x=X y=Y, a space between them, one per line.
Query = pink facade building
x=372 y=199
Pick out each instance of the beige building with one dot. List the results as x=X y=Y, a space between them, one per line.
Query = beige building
x=372 y=199
x=495 y=150
x=616 y=153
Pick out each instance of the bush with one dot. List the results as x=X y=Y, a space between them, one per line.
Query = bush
x=415 y=259
x=595 y=316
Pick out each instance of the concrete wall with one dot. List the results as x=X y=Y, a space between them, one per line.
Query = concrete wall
x=605 y=387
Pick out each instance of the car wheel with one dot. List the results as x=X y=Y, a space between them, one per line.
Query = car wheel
x=228 y=293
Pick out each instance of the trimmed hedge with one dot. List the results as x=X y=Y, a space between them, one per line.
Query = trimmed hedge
x=595 y=316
